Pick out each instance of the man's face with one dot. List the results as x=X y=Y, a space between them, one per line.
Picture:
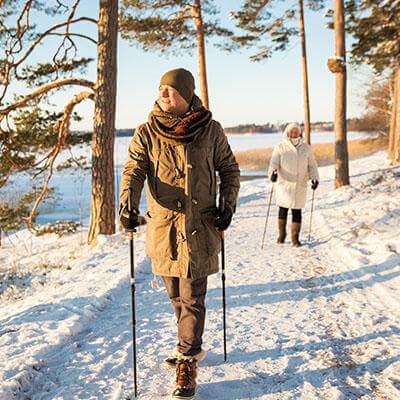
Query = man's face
x=171 y=101
x=294 y=133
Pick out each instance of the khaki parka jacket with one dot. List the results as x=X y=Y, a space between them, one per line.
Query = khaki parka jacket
x=181 y=189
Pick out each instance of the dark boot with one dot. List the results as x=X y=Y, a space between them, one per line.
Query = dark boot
x=186 y=372
x=282 y=230
x=295 y=234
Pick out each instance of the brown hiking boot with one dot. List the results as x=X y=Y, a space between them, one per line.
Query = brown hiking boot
x=282 y=230
x=295 y=234
x=186 y=372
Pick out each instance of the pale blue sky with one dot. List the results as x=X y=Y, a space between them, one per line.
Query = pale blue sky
x=240 y=91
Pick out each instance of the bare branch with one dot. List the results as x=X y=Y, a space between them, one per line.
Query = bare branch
x=19 y=35
x=65 y=56
x=74 y=34
x=61 y=5
x=53 y=28
x=63 y=132
x=71 y=15
x=66 y=38
x=12 y=66
x=44 y=89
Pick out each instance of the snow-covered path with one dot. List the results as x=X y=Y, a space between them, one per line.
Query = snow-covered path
x=317 y=322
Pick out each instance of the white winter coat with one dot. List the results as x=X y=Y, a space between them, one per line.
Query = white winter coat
x=295 y=166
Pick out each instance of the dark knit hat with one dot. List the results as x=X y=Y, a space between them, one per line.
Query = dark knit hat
x=181 y=80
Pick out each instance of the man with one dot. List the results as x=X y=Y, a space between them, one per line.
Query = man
x=178 y=151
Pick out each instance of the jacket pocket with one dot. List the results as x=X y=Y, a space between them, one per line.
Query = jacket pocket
x=210 y=239
x=161 y=236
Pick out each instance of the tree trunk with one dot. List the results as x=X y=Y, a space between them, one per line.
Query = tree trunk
x=305 y=75
x=102 y=210
x=341 y=151
x=394 y=134
x=198 y=21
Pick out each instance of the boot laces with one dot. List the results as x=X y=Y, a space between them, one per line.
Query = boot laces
x=185 y=372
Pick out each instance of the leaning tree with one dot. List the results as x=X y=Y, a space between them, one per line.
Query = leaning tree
x=32 y=134
x=172 y=26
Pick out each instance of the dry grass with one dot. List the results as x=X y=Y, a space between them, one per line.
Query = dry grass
x=258 y=159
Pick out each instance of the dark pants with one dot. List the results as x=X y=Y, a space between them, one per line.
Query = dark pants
x=296 y=214
x=187 y=298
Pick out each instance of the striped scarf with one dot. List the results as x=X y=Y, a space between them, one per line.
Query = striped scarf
x=179 y=130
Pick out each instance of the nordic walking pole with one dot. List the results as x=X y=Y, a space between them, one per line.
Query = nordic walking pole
x=132 y=259
x=221 y=234
x=266 y=220
x=312 y=209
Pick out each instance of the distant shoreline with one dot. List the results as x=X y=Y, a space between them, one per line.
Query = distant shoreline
x=258 y=159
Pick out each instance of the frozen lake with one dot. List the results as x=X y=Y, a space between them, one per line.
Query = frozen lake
x=73 y=190
x=250 y=141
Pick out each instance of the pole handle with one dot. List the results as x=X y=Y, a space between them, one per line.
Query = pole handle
x=221 y=204
x=130 y=199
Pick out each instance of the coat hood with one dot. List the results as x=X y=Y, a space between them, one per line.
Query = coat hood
x=288 y=128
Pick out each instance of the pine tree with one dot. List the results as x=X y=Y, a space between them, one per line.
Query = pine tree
x=305 y=74
x=32 y=136
x=102 y=209
x=172 y=26
x=375 y=27
x=378 y=110
x=342 y=176
x=28 y=130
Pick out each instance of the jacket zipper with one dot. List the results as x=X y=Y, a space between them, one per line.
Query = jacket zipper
x=156 y=177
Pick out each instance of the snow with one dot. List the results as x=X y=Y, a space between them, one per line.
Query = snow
x=317 y=322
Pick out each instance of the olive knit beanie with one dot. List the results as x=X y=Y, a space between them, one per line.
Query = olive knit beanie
x=181 y=80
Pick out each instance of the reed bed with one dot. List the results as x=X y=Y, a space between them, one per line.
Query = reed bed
x=258 y=159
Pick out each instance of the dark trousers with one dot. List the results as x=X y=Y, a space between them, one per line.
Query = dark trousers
x=296 y=214
x=187 y=298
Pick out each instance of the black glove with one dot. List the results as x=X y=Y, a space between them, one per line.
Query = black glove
x=314 y=184
x=274 y=176
x=129 y=218
x=224 y=215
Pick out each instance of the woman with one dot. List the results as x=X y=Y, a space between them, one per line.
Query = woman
x=292 y=165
